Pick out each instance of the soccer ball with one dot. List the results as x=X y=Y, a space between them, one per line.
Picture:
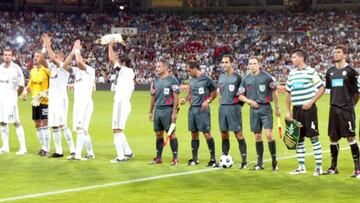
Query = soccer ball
x=226 y=161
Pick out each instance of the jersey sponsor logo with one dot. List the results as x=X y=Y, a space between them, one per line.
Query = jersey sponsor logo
x=166 y=91
x=201 y=90
x=337 y=82
x=298 y=85
x=231 y=88
x=262 y=88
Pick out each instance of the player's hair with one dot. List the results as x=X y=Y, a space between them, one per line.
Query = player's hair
x=231 y=58
x=300 y=53
x=7 y=50
x=255 y=57
x=59 y=53
x=125 y=60
x=193 y=64
x=164 y=62
x=343 y=48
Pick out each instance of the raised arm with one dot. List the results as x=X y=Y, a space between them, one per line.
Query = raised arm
x=47 y=43
x=112 y=55
x=79 y=59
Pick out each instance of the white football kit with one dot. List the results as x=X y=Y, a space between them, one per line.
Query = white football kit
x=83 y=104
x=58 y=98
x=10 y=79
x=123 y=91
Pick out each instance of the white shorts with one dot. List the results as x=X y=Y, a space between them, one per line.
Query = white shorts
x=58 y=110
x=9 y=113
x=121 y=113
x=82 y=115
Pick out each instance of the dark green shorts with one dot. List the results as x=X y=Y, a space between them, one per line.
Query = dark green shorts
x=261 y=118
x=162 y=118
x=230 y=118
x=199 y=121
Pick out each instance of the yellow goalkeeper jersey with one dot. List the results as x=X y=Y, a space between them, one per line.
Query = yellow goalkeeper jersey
x=39 y=81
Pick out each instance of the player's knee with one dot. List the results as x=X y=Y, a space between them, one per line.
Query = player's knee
x=269 y=136
x=258 y=137
x=195 y=135
x=17 y=124
x=159 y=134
x=3 y=124
x=207 y=135
x=173 y=136
x=117 y=131
x=224 y=135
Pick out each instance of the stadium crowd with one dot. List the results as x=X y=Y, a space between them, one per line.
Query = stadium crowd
x=179 y=37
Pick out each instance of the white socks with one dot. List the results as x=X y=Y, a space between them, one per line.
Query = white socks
x=5 y=138
x=57 y=140
x=88 y=144
x=118 y=141
x=21 y=136
x=79 y=143
x=69 y=139
x=127 y=149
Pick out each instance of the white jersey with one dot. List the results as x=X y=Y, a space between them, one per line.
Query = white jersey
x=10 y=78
x=84 y=83
x=125 y=84
x=59 y=79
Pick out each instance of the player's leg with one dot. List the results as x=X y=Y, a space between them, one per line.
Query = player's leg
x=118 y=139
x=355 y=154
x=256 y=128
x=66 y=131
x=4 y=137
x=125 y=111
x=300 y=148
x=69 y=138
x=159 y=133
x=203 y=120
x=195 y=142
x=312 y=130
x=45 y=127
x=80 y=139
x=267 y=120
x=19 y=132
x=334 y=136
x=235 y=125
x=224 y=127
x=57 y=141
x=89 y=146
x=174 y=145
x=88 y=142
x=225 y=144
x=21 y=137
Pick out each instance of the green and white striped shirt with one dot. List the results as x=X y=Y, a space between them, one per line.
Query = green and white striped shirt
x=303 y=84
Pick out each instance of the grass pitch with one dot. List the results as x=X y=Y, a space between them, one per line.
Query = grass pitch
x=60 y=180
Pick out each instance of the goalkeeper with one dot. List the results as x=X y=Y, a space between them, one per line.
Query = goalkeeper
x=38 y=86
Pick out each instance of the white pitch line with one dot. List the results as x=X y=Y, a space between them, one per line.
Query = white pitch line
x=107 y=185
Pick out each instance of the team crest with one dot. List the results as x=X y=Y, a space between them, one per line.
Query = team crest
x=231 y=88
x=344 y=73
x=262 y=88
x=166 y=91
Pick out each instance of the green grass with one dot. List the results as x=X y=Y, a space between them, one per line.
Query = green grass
x=29 y=174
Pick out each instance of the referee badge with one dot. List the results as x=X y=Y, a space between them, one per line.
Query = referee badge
x=231 y=88
x=262 y=88
x=344 y=73
x=166 y=91
x=201 y=90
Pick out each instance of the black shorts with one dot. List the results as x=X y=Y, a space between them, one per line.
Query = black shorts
x=309 y=120
x=162 y=118
x=341 y=123
x=40 y=112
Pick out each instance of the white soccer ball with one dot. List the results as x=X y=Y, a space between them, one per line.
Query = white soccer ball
x=226 y=161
